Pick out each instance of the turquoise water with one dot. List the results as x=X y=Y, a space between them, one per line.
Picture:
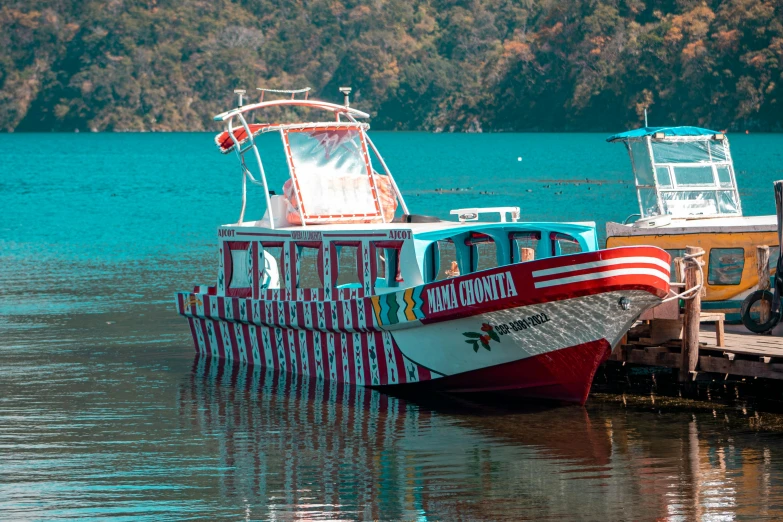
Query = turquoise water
x=103 y=411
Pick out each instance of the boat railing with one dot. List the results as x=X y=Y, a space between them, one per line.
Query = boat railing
x=236 y=121
x=292 y=92
x=631 y=217
x=472 y=214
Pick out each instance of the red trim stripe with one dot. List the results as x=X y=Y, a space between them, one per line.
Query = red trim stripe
x=191 y=323
x=248 y=344
x=366 y=360
x=380 y=357
x=232 y=334
x=338 y=357
x=219 y=337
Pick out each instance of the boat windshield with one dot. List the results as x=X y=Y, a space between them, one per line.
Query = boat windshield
x=331 y=172
x=682 y=174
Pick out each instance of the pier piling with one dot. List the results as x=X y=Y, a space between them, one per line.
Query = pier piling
x=762 y=267
x=692 y=319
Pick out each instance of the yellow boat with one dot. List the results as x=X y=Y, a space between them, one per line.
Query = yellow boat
x=688 y=196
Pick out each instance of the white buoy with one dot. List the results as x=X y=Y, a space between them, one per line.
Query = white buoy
x=519 y=158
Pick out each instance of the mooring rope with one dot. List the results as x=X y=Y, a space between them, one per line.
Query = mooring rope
x=690 y=293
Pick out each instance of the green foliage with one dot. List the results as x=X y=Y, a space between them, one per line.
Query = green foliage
x=457 y=65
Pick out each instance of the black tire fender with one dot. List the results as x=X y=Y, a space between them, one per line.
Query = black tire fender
x=747 y=305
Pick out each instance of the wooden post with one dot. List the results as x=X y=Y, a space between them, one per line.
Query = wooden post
x=689 y=356
x=762 y=268
x=527 y=254
x=679 y=270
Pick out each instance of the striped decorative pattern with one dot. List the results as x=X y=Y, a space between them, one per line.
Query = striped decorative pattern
x=397 y=307
x=350 y=316
x=370 y=359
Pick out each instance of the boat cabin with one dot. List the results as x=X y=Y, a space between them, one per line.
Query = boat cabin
x=682 y=172
x=688 y=196
x=333 y=262
x=341 y=228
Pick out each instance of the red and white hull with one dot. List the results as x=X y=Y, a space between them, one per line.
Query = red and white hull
x=539 y=328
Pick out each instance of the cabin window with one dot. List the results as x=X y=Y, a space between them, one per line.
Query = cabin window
x=726 y=265
x=719 y=151
x=694 y=176
x=273 y=267
x=442 y=259
x=664 y=179
x=483 y=252
x=347 y=263
x=690 y=203
x=685 y=152
x=521 y=241
x=648 y=199
x=674 y=253
x=642 y=165
x=724 y=176
x=727 y=203
x=387 y=265
x=309 y=267
x=563 y=244
x=381 y=258
x=240 y=268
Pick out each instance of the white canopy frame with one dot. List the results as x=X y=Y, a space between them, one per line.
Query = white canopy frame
x=715 y=187
x=239 y=114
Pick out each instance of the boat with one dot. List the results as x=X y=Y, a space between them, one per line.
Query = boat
x=340 y=282
x=687 y=192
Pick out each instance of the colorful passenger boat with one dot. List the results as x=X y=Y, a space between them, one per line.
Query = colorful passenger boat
x=340 y=281
x=687 y=192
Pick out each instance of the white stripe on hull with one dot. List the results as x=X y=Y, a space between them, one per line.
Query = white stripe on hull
x=603 y=275
x=605 y=262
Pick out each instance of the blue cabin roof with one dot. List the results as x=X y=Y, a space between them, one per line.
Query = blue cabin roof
x=667 y=131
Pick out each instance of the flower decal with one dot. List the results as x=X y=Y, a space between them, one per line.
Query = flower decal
x=488 y=334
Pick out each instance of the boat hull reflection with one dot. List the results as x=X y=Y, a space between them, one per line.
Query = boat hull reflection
x=324 y=448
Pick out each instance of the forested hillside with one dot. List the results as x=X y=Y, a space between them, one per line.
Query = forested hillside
x=496 y=65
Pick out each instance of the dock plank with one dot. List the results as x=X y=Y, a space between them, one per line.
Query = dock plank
x=743 y=342
x=743 y=354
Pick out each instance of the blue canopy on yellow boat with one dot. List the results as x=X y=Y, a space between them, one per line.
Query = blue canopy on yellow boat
x=667 y=131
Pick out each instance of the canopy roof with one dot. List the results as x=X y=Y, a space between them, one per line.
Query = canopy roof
x=311 y=104
x=226 y=144
x=667 y=131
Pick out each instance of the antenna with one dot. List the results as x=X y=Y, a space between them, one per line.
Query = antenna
x=241 y=93
x=645 y=116
x=346 y=92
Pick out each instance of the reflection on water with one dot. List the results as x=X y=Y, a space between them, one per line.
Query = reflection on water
x=322 y=450
x=90 y=428
x=319 y=449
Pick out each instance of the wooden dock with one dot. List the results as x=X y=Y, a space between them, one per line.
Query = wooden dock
x=696 y=343
x=744 y=354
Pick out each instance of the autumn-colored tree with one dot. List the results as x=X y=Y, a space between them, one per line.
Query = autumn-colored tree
x=451 y=65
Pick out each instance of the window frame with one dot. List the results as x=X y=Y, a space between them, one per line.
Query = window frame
x=335 y=247
x=710 y=266
x=555 y=237
x=228 y=268
x=387 y=247
x=297 y=247
x=473 y=240
x=514 y=249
